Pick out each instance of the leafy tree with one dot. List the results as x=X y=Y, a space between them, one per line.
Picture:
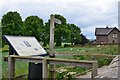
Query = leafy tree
x=11 y=24
x=46 y=33
x=75 y=36
x=33 y=26
x=61 y=30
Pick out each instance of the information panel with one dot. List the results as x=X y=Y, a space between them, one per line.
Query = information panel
x=25 y=46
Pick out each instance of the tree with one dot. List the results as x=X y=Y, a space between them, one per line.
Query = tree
x=61 y=30
x=84 y=39
x=33 y=26
x=11 y=24
x=46 y=33
x=75 y=36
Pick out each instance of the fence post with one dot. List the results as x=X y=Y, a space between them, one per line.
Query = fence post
x=94 y=69
x=45 y=69
x=11 y=68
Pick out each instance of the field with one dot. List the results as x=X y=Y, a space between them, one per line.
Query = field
x=22 y=67
x=103 y=49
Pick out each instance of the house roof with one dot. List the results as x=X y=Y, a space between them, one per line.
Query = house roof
x=104 y=31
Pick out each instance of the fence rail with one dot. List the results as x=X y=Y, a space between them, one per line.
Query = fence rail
x=45 y=61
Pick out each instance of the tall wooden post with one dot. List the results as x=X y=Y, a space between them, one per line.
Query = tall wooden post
x=51 y=74
x=52 y=33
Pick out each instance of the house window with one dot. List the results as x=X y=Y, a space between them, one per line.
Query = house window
x=114 y=35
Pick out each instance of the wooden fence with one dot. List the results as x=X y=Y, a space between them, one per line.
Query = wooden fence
x=45 y=61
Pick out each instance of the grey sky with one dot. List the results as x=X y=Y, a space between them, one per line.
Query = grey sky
x=87 y=14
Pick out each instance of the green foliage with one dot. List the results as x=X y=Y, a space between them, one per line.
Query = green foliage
x=66 y=45
x=11 y=24
x=46 y=36
x=33 y=26
x=109 y=49
x=68 y=72
x=103 y=62
x=61 y=30
x=75 y=37
x=81 y=57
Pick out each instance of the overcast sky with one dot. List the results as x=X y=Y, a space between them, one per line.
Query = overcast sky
x=86 y=14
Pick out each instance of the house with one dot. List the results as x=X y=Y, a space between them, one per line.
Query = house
x=106 y=35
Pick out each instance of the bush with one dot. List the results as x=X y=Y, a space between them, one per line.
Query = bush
x=66 y=45
x=103 y=62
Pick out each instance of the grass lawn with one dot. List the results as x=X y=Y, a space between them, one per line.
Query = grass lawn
x=22 y=67
x=104 y=49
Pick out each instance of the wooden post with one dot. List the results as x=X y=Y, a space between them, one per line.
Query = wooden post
x=94 y=70
x=11 y=68
x=52 y=32
x=51 y=74
x=45 y=69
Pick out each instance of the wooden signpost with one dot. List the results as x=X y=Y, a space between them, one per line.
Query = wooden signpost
x=53 y=20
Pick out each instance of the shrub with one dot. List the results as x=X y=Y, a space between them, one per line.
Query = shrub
x=66 y=45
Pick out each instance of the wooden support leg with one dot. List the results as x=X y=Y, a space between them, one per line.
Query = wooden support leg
x=94 y=70
x=11 y=68
x=52 y=72
x=51 y=68
x=45 y=69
